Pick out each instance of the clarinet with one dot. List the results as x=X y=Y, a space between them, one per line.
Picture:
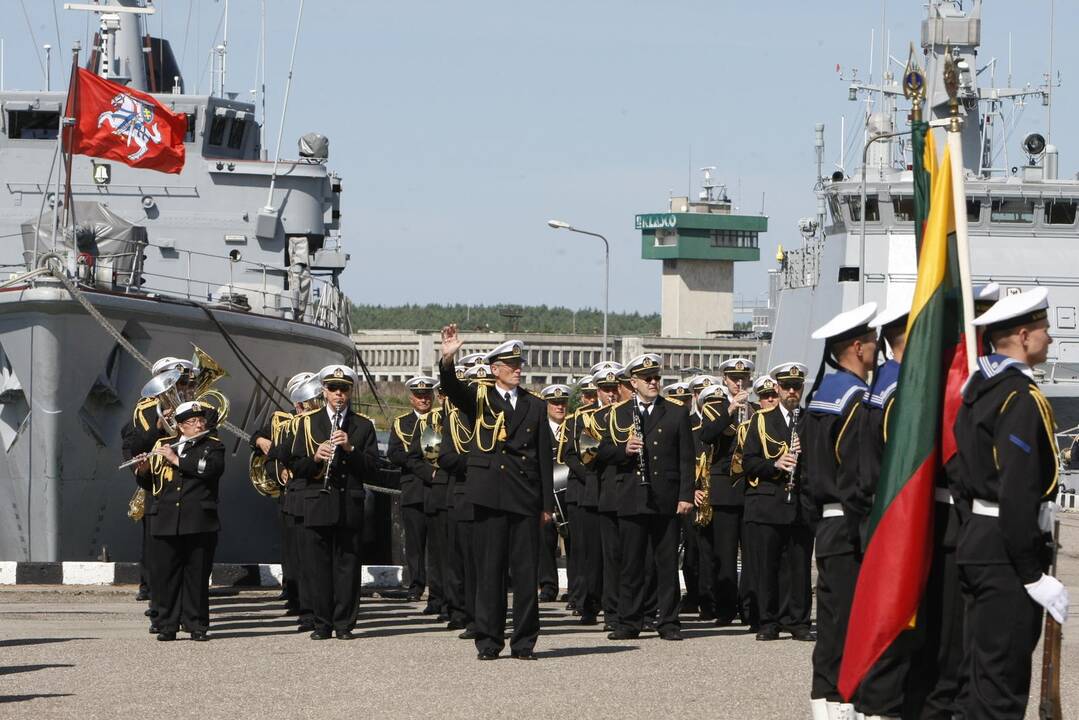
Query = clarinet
x=333 y=455
x=795 y=449
x=641 y=469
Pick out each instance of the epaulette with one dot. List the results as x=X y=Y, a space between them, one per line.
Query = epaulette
x=836 y=392
x=676 y=401
x=884 y=384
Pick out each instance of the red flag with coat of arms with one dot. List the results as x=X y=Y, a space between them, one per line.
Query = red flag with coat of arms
x=118 y=123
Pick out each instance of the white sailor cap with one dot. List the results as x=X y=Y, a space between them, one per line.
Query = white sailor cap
x=421 y=384
x=1015 y=310
x=846 y=325
x=892 y=314
x=737 y=366
x=298 y=379
x=471 y=359
x=985 y=296
x=509 y=351
x=337 y=373
x=171 y=363
x=307 y=390
x=712 y=392
x=460 y=371
x=789 y=372
x=478 y=371
x=765 y=384
x=586 y=384
x=698 y=382
x=190 y=409
x=645 y=364
x=556 y=393
x=678 y=390
x=606 y=374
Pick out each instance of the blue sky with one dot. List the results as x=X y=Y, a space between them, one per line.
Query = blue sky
x=461 y=128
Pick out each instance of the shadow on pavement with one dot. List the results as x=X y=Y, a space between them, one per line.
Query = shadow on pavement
x=12 y=669
x=595 y=650
x=18 y=642
x=24 y=698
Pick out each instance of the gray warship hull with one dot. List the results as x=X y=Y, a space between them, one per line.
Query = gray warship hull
x=68 y=388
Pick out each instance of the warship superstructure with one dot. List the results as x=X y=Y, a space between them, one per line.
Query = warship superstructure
x=1021 y=213
x=209 y=257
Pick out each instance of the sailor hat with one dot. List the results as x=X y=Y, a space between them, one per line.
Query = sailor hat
x=698 y=382
x=478 y=372
x=737 y=366
x=421 y=384
x=891 y=315
x=556 y=393
x=1015 y=310
x=846 y=325
x=678 y=390
x=460 y=370
x=308 y=390
x=586 y=384
x=607 y=374
x=765 y=384
x=298 y=379
x=471 y=359
x=337 y=373
x=788 y=372
x=985 y=296
x=642 y=365
x=712 y=392
x=171 y=363
x=190 y=409
x=509 y=351
x=603 y=365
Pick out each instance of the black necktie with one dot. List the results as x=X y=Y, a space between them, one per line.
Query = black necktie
x=646 y=410
x=509 y=400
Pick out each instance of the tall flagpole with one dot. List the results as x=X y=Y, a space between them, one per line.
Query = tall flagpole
x=959 y=197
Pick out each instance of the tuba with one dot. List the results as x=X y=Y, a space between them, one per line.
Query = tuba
x=166 y=390
x=587 y=447
x=260 y=476
x=205 y=373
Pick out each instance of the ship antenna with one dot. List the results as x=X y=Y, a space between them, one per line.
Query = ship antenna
x=269 y=209
x=1049 y=81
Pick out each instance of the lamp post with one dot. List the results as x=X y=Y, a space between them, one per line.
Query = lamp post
x=559 y=225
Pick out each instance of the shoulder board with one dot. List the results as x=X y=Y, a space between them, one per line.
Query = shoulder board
x=402 y=416
x=675 y=401
x=837 y=390
x=214 y=438
x=144 y=403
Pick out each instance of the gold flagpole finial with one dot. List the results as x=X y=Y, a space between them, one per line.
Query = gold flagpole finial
x=951 y=86
x=914 y=86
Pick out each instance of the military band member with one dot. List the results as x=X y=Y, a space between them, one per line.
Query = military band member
x=777 y=531
x=333 y=454
x=721 y=593
x=306 y=397
x=509 y=485
x=611 y=390
x=435 y=504
x=557 y=398
x=577 y=486
x=829 y=470
x=416 y=475
x=586 y=551
x=650 y=443
x=1008 y=474
x=683 y=392
x=184 y=470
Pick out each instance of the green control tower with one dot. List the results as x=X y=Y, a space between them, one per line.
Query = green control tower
x=699 y=242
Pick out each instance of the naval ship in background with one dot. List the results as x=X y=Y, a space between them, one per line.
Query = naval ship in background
x=1022 y=218
x=201 y=257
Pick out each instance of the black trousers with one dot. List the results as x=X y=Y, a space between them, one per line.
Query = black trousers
x=415 y=524
x=779 y=561
x=144 y=570
x=611 y=549
x=1003 y=625
x=506 y=541
x=691 y=560
x=289 y=563
x=461 y=573
x=437 y=539
x=719 y=562
x=548 y=559
x=588 y=551
x=836 y=576
x=334 y=572
x=180 y=572
x=639 y=534
x=796 y=580
x=296 y=547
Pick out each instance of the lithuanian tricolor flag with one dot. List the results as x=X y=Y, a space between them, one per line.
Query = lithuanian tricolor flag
x=897 y=558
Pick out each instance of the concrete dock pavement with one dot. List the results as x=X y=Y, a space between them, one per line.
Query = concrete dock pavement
x=80 y=652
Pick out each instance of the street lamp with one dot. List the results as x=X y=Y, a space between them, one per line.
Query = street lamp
x=559 y=225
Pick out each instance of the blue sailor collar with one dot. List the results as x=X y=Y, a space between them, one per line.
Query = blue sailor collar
x=836 y=391
x=992 y=365
x=885 y=381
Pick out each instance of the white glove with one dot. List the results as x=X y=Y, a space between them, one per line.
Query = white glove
x=1051 y=594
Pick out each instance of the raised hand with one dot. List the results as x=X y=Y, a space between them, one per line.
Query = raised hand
x=451 y=342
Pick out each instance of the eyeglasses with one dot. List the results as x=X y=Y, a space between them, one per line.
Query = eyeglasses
x=791 y=385
x=338 y=387
x=650 y=379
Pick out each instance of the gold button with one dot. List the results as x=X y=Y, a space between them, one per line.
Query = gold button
x=177 y=504
x=501 y=467
x=655 y=442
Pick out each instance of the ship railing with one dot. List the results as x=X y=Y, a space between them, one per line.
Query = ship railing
x=800 y=268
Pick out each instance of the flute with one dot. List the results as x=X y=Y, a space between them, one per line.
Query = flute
x=142 y=456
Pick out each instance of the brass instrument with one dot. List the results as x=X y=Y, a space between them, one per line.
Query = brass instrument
x=587 y=447
x=704 y=484
x=166 y=390
x=207 y=372
x=431 y=439
x=136 y=506
x=260 y=476
x=795 y=449
x=561 y=481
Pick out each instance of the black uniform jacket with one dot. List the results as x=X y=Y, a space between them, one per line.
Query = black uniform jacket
x=140 y=435
x=1007 y=455
x=416 y=473
x=343 y=504
x=606 y=472
x=718 y=434
x=453 y=460
x=187 y=502
x=669 y=459
x=510 y=456
x=767 y=438
x=829 y=460
x=585 y=475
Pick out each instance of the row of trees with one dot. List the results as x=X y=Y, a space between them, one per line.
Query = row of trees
x=502 y=318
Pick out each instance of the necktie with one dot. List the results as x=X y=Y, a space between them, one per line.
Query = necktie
x=509 y=400
x=646 y=410
x=337 y=421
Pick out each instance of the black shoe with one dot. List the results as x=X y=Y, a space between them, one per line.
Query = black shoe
x=149 y=612
x=142 y=596
x=444 y=616
x=154 y=629
x=524 y=655
x=455 y=625
x=320 y=635
x=622 y=634
x=571 y=606
x=166 y=636
x=305 y=627
x=724 y=620
x=345 y=635
x=564 y=597
x=608 y=626
x=467 y=635
x=487 y=655
x=766 y=635
x=414 y=595
x=548 y=596
x=589 y=619
x=803 y=634
x=706 y=615
x=199 y=636
x=431 y=609
x=672 y=634
x=649 y=623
